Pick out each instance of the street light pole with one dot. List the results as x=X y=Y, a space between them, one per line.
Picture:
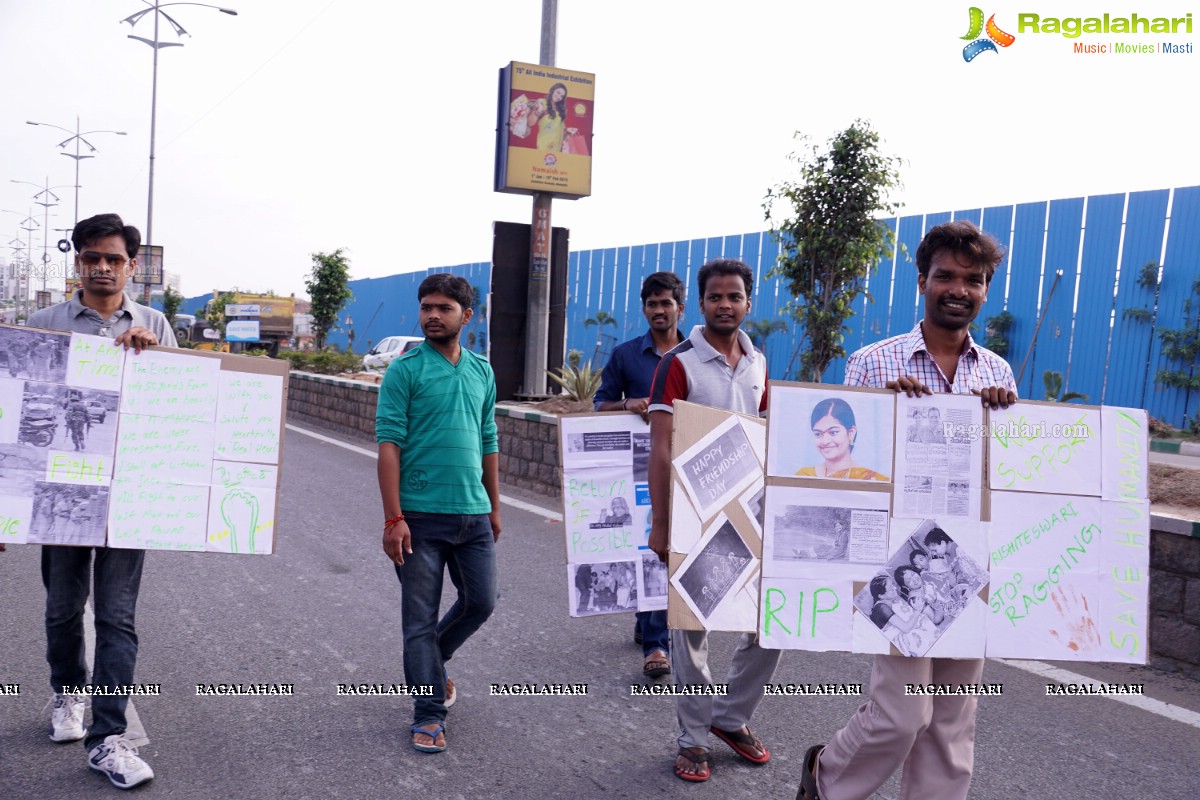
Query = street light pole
x=45 y=203
x=77 y=137
x=156 y=45
x=541 y=250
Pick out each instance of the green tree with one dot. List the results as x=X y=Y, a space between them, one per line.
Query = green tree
x=215 y=312
x=600 y=319
x=171 y=301
x=830 y=238
x=761 y=329
x=1054 y=389
x=329 y=288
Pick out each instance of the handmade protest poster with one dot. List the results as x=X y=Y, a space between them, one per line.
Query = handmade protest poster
x=819 y=533
x=603 y=587
x=715 y=544
x=1125 y=581
x=1045 y=597
x=163 y=383
x=832 y=432
x=939 y=456
x=82 y=468
x=606 y=501
x=1125 y=446
x=68 y=514
x=95 y=362
x=715 y=570
x=806 y=614
x=1045 y=447
x=718 y=467
x=652 y=583
x=923 y=590
x=247 y=405
x=241 y=510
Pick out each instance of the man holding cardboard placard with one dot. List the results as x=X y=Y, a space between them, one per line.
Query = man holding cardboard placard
x=717 y=366
x=931 y=737
x=439 y=477
x=625 y=386
x=105 y=258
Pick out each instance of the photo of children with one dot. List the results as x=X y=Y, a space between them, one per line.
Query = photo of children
x=603 y=588
x=924 y=587
x=714 y=569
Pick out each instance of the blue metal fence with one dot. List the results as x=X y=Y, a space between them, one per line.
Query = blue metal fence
x=1099 y=243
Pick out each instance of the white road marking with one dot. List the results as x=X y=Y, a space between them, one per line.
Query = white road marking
x=1172 y=712
x=508 y=501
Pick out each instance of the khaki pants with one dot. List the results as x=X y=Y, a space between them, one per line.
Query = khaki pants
x=932 y=737
x=752 y=667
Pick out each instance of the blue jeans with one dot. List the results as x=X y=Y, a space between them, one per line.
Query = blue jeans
x=463 y=545
x=117 y=575
x=653 y=627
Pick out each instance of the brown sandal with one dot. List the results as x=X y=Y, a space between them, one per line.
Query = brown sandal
x=656 y=664
x=808 y=778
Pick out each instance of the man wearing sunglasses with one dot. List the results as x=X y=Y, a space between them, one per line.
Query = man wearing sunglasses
x=105 y=258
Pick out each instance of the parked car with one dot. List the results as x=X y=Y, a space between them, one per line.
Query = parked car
x=381 y=355
x=96 y=411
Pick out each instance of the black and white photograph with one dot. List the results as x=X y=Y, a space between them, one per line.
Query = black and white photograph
x=811 y=530
x=34 y=355
x=652 y=583
x=21 y=465
x=608 y=587
x=924 y=587
x=641 y=457
x=599 y=441
x=715 y=569
x=66 y=419
x=66 y=513
x=718 y=467
x=754 y=504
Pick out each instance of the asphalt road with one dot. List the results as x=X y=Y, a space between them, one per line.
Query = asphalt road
x=325 y=610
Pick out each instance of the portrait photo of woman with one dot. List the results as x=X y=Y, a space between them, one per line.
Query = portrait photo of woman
x=549 y=114
x=835 y=434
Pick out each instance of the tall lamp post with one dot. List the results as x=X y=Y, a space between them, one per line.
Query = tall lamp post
x=156 y=45
x=29 y=224
x=76 y=137
x=46 y=203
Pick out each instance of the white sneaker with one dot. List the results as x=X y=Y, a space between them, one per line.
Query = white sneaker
x=118 y=759
x=66 y=720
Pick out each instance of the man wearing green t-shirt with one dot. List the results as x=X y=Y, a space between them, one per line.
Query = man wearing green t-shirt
x=439 y=476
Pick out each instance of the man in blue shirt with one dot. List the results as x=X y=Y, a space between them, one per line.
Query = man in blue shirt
x=625 y=386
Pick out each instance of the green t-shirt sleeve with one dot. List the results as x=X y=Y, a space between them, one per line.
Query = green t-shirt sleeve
x=487 y=427
x=391 y=413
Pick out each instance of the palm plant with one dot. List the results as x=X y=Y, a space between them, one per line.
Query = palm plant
x=1054 y=389
x=578 y=383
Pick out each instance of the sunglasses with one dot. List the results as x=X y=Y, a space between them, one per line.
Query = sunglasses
x=90 y=258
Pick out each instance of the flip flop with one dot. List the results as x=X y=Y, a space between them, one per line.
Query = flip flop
x=808 y=778
x=695 y=758
x=428 y=748
x=656 y=664
x=451 y=694
x=738 y=741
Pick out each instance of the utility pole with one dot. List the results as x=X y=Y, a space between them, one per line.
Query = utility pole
x=537 y=317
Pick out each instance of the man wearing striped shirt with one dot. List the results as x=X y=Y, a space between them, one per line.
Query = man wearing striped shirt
x=931 y=737
x=439 y=477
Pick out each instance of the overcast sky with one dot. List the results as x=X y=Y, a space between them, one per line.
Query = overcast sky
x=305 y=125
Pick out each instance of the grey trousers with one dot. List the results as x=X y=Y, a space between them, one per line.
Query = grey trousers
x=752 y=667
x=932 y=737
